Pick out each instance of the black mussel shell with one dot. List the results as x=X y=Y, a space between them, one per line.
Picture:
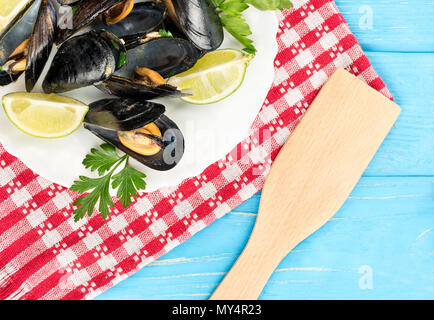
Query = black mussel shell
x=11 y=39
x=86 y=11
x=134 y=40
x=123 y=114
x=145 y=17
x=41 y=42
x=200 y=22
x=84 y=60
x=117 y=47
x=18 y=19
x=166 y=159
x=174 y=29
x=126 y=88
x=7 y=78
x=167 y=56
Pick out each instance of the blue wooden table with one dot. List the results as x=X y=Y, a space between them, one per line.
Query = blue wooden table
x=380 y=245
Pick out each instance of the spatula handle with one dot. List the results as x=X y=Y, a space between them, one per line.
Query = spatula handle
x=250 y=273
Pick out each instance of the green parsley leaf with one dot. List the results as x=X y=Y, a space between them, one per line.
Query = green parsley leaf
x=122 y=59
x=165 y=33
x=217 y=3
x=230 y=12
x=233 y=7
x=285 y=4
x=87 y=203
x=237 y=26
x=129 y=181
x=101 y=160
x=114 y=44
x=270 y=4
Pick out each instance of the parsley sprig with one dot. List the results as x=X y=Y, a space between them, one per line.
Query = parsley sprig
x=231 y=16
x=165 y=33
x=128 y=181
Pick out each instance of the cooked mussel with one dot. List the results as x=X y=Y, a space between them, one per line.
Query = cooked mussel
x=14 y=46
x=40 y=42
x=85 y=60
x=8 y=76
x=15 y=65
x=134 y=40
x=123 y=114
x=139 y=129
x=31 y=45
x=144 y=18
x=85 y=12
x=145 y=85
x=126 y=88
x=92 y=59
x=7 y=24
x=199 y=20
x=148 y=77
x=118 y=12
x=167 y=56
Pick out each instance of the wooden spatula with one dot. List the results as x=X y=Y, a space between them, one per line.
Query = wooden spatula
x=311 y=177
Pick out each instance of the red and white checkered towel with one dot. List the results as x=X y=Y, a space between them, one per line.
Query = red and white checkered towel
x=44 y=254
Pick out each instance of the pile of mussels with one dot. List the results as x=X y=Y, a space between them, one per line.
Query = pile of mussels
x=123 y=35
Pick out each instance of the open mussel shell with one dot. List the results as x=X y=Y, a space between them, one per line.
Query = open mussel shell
x=6 y=27
x=123 y=114
x=126 y=88
x=85 y=12
x=15 y=36
x=84 y=60
x=171 y=141
x=200 y=22
x=41 y=42
x=167 y=56
x=144 y=18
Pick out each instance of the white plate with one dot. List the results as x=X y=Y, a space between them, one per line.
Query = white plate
x=210 y=131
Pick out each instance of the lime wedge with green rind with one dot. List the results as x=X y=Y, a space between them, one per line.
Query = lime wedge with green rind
x=214 y=77
x=44 y=115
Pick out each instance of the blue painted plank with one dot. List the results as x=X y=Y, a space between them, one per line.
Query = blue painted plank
x=409 y=148
x=386 y=227
x=400 y=26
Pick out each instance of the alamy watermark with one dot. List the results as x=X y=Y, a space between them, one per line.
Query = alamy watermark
x=366 y=21
x=366 y=280
x=65 y=17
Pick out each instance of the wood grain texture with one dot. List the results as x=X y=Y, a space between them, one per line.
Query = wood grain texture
x=387 y=223
x=409 y=148
x=311 y=177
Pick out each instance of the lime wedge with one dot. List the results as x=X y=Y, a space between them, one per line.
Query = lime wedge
x=44 y=115
x=9 y=10
x=215 y=76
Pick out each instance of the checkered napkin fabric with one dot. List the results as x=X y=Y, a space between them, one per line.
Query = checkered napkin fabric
x=44 y=254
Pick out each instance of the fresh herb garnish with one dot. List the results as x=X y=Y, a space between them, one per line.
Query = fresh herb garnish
x=165 y=33
x=270 y=4
x=230 y=12
x=122 y=59
x=127 y=181
x=114 y=44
